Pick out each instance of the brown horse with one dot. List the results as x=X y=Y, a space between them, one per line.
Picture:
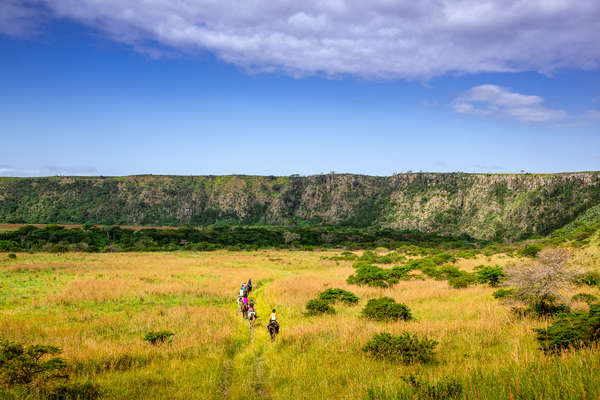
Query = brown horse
x=245 y=310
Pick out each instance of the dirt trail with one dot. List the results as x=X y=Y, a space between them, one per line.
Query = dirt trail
x=244 y=372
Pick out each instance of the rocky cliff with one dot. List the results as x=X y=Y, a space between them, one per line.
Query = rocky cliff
x=484 y=206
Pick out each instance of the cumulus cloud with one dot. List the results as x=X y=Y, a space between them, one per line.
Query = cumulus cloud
x=492 y=100
x=377 y=38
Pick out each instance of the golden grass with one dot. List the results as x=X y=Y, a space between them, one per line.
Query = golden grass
x=97 y=308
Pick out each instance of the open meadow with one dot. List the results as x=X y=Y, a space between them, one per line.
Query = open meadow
x=97 y=307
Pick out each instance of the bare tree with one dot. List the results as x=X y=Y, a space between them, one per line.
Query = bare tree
x=289 y=237
x=543 y=279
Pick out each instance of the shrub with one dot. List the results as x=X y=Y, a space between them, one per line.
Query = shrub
x=490 y=275
x=159 y=337
x=333 y=295
x=530 y=250
x=12 y=256
x=546 y=308
x=318 y=306
x=9 y=245
x=587 y=278
x=445 y=388
x=462 y=281
x=503 y=293
x=370 y=275
x=442 y=258
x=575 y=330
x=74 y=391
x=59 y=248
x=21 y=365
x=406 y=348
x=450 y=271
x=386 y=308
x=584 y=297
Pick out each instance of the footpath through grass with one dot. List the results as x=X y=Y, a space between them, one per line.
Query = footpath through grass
x=98 y=307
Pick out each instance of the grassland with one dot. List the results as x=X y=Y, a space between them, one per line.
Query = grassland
x=97 y=308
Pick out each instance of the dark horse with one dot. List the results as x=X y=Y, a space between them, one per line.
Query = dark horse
x=273 y=329
x=245 y=310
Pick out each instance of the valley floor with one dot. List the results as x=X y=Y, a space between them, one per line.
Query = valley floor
x=98 y=307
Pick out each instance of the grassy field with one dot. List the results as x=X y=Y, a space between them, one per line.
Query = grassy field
x=97 y=308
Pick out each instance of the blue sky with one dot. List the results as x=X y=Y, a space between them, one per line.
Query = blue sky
x=86 y=91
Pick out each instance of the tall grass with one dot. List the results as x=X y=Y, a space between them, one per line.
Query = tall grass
x=97 y=308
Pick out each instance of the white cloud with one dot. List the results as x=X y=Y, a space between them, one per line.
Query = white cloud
x=487 y=100
x=378 y=38
x=594 y=115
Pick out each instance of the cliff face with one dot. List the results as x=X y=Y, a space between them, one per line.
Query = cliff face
x=481 y=205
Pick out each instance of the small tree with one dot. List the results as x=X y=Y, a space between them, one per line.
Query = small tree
x=490 y=275
x=539 y=283
x=20 y=365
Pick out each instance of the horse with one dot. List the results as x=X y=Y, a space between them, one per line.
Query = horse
x=245 y=310
x=239 y=303
x=273 y=329
x=251 y=318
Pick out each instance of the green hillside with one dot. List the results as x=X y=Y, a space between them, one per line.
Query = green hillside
x=486 y=206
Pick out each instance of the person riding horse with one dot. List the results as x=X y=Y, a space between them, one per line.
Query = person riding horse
x=251 y=314
x=273 y=326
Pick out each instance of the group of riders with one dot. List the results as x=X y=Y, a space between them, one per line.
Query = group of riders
x=246 y=306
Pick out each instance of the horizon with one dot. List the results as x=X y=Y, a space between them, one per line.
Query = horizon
x=305 y=176
x=131 y=89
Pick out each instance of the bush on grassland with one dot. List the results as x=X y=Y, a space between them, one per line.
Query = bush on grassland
x=319 y=306
x=332 y=295
x=490 y=275
x=574 y=330
x=159 y=337
x=503 y=293
x=589 y=278
x=386 y=309
x=407 y=348
x=530 y=250
x=370 y=275
x=584 y=298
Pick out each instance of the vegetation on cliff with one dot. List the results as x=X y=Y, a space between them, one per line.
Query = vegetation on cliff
x=485 y=206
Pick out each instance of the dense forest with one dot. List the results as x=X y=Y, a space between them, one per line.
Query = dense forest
x=483 y=206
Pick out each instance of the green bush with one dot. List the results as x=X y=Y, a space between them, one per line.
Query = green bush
x=21 y=365
x=74 y=391
x=12 y=256
x=442 y=258
x=584 y=297
x=319 y=306
x=407 y=348
x=462 y=281
x=445 y=388
x=159 y=337
x=333 y=295
x=546 y=307
x=574 y=330
x=530 y=250
x=589 y=278
x=370 y=275
x=386 y=309
x=490 y=275
x=503 y=293
x=9 y=245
